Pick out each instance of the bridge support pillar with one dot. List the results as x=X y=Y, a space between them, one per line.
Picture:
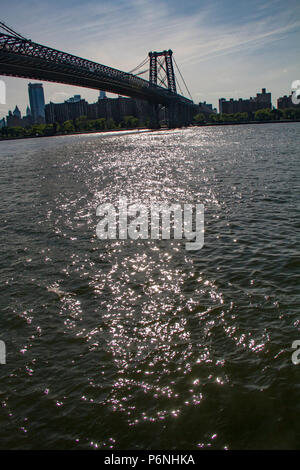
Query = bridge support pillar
x=154 y=117
x=174 y=115
x=179 y=115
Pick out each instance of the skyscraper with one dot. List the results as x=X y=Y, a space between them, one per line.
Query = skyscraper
x=37 y=102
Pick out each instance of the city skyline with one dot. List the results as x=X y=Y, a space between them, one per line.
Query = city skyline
x=226 y=49
x=66 y=98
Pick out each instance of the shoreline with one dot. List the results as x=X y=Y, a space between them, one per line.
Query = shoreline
x=102 y=131
x=146 y=129
x=229 y=123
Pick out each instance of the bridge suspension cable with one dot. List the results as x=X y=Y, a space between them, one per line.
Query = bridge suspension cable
x=141 y=73
x=139 y=66
x=178 y=85
x=10 y=31
x=162 y=78
x=182 y=79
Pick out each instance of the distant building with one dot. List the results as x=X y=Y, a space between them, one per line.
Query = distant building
x=286 y=102
x=27 y=120
x=260 y=101
x=70 y=109
x=109 y=108
x=14 y=119
x=17 y=112
x=74 y=99
x=102 y=95
x=9 y=118
x=206 y=109
x=209 y=106
x=37 y=102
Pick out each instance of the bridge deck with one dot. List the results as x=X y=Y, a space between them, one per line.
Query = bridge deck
x=26 y=59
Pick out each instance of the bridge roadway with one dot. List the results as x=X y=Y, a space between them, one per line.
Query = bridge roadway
x=26 y=59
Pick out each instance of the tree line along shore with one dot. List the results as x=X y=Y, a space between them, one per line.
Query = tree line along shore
x=83 y=125
x=261 y=115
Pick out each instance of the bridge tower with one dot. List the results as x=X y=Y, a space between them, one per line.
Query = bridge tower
x=162 y=70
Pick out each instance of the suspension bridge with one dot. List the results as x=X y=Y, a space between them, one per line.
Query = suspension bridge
x=21 y=57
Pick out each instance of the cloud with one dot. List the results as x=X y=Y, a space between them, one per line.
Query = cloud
x=214 y=42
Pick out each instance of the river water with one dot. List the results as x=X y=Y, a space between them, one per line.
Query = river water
x=123 y=344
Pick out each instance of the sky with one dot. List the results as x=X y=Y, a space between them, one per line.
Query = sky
x=224 y=48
